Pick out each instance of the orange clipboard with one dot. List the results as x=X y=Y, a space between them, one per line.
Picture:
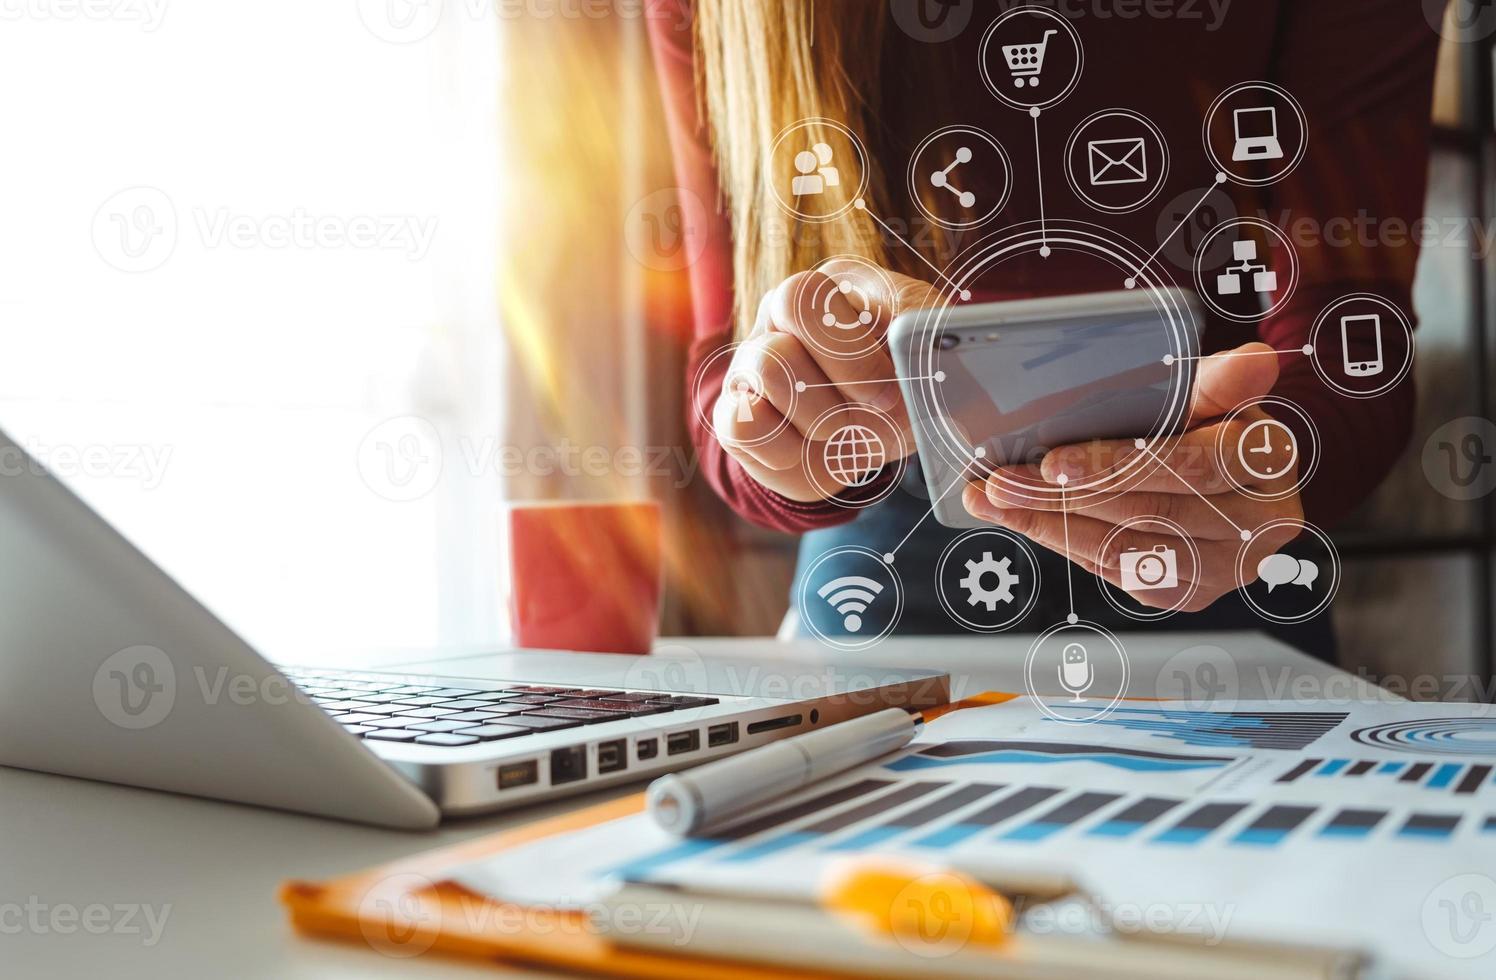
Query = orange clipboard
x=410 y=907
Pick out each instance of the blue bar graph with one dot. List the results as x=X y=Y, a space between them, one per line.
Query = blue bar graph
x=1274 y=825
x=1444 y=775
x=1352 y=824
x=1065 y=815
x=1134 y=818
x=973 y=824
x=1429 y=826
x=1200 y=823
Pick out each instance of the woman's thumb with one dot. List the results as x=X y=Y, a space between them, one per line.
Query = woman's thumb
x=1225 y=380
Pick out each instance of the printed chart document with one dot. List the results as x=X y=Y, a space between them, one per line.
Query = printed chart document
x=1354 y=824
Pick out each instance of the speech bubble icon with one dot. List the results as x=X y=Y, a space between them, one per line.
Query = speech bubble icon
x=1278 y=570
x=1308 y=573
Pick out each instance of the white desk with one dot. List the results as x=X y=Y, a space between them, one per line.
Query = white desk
x=66 y=844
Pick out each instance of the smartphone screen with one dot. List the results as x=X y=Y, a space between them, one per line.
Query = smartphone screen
x=1022 y=390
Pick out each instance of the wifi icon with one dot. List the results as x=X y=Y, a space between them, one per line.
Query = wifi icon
x=850 y=596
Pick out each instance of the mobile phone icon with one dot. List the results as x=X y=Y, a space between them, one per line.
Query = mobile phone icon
x=1355 y=327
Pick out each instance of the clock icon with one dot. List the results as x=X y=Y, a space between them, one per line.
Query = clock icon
x=1267 y=449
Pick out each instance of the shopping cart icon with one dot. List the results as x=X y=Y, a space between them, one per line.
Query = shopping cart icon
x=1025 y=61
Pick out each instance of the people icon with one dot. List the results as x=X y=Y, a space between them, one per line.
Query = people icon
x=815 y=171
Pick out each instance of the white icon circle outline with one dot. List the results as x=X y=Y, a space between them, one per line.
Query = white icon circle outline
x=1329 y=312
x=1158 y=183
x=1177 y=318
x=1319 y=607
x=1095 y=629
x=1308 y=460
x=1001 y=92
x=1293 y=161
x=1285 y=293
x=1108 y=590
x=705 y=408
x=868 y=332
x=808 y=596
x=838 y=494
x=915 y=183
x=949 y=605
x=862 y=164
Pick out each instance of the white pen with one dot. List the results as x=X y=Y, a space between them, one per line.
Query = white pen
x=713 y=796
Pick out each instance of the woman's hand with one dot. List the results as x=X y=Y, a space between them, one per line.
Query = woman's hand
x=1198 y=471
x=760 y=417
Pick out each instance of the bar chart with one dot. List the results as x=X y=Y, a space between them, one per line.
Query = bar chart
x=1290 y=730
x=1459 y=778
x=927 y=815
x=991 y=751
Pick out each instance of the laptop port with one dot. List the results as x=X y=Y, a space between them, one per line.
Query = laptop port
x=784 y=721
x=647 y=748
x=678 y=742
x=568 y=765
x=612 y=756
x=724 y=734
x=513 y=774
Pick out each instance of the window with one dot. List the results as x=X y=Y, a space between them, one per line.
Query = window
x=269 y=233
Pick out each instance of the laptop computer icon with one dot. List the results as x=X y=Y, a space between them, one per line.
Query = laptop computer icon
x=1256 y=134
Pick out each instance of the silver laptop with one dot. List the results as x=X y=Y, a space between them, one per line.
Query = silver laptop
x=109 y=670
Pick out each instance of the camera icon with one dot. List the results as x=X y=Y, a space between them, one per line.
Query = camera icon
x=1144 y=571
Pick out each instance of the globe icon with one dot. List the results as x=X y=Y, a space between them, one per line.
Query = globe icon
x=854 y=454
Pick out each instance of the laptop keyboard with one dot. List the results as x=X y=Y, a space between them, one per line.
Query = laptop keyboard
x=384 y=710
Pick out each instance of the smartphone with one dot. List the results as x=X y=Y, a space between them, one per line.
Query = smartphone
x=1350 y=326
x=1017 y=379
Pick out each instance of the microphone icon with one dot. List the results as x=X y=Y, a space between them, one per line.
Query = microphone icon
x=1076 y=675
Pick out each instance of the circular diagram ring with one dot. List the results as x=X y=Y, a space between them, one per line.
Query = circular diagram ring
x=1001 y=572
x=1152 y=615
x=1261 y=430
x=850 y=597
x=1244 y=265
x=844 y=494
x=862 y=334
x=914 y=168
x=814 y=171
x=1157 y=183
x=1179 y=331
x=1395 y=378
x=1274 y=90
x=1319 y=607
x=751 y=386
x=1025 y=61
x=1039 y=700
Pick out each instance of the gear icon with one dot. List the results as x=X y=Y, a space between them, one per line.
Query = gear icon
x=976 y=592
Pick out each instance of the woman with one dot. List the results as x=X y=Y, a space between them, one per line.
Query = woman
x=1363 y=71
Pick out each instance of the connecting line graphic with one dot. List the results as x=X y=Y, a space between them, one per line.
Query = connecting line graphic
x=1306 y=349
x=888 y=558
x=937 y=376
x=1245 y=534
x=1065 y=520
x=1039 y=171
x=861 y=205
x=1131 y=282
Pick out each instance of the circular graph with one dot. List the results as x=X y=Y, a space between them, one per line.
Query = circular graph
x=1440 y=736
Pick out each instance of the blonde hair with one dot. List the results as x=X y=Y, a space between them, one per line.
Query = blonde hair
x=763 y=65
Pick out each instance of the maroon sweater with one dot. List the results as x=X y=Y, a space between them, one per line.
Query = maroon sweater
x=1363 y=71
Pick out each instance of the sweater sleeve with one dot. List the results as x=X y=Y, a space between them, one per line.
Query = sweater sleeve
x=712 y=297
x=1363 y=71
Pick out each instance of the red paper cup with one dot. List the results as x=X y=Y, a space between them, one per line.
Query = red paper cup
x=585 y=576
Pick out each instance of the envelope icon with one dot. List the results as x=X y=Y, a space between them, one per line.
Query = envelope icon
x=1117 y=161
